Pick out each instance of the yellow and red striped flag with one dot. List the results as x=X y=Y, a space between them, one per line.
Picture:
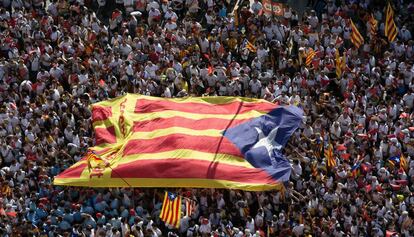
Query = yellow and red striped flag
x=190 y=206
x=171 y=209
x=310 y=56
x=391 y=30
x=340 y=63
x=250 y=46
x=356 y=37
x=373 y=25
x=403 y=163
x=330 y=158
x=205 y=142
x=314 y=169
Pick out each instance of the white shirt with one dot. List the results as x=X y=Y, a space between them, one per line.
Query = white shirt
x=154 y=13
x=125 y=49
x=409 y=100
x=255 y=86
x=170 y=26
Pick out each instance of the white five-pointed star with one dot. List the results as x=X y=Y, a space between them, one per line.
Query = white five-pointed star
x=268 y=141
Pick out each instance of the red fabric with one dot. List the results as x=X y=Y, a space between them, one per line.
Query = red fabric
x=395 y=187
x=115 y=14
x=389 y=233
x=402 y=182
x=365 y=168
x=345 y=156
x=210 y=69
x=12 y=214
x=341 y=147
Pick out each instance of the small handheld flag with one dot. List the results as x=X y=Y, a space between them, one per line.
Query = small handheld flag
x=403 y=163
x=355 y=169
x=394 y=161
x=356 y=37
x=314 y=169
x=373 y=25
x=391 y=30
x=329 y=154
x=310 y=57
x=338 y=64
x=190 y=206
x=250 y=47
x=171 y=209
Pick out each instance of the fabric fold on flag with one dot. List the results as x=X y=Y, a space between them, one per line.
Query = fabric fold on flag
x=207 y=142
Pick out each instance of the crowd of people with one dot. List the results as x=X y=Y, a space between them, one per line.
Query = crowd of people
x=58 y=57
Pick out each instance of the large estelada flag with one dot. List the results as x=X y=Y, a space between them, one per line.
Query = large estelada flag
x=207 y=142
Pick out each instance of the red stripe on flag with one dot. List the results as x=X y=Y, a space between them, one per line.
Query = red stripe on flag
x=190 y=169
x=182 y=141
x=196 y=124
x=73 y=172
x=105 y=135
x=170 y=211
x=237 y=107
x=101 y=113
x=390 y=21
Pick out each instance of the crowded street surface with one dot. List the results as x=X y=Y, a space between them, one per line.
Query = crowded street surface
x=348 y=64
